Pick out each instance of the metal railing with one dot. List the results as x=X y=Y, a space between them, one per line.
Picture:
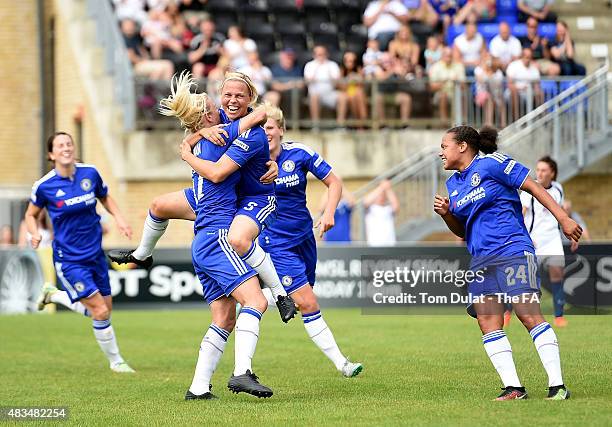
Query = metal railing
x=573 y=127
x=116 y=61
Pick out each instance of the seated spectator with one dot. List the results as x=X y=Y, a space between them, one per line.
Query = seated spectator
x=433 y=52
x=237 y=47
x=205 y=49
x=130 y=9
x=538 y=9
x=381 y=207
x=562 y=52
x=482 y=10
x=352 y=86
x=421 y=11
x=540 y=49
x=341 y=231
x=157 y=69
x=469 y=47
x=157 y=35
x=321 y=75
x=446 y=10
x=286 y=75
x=504 y=47
x=215 y=77
x=371 y=58
x=392 y=78
x=523 y=81
x=489 y=89
x=403 y=47
x=259 y=74
x=443 y=76
x=383 y=19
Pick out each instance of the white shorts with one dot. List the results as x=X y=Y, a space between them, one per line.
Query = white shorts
x=550 y=252
x=327 y=98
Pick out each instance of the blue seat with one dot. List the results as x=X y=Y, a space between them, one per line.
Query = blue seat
x=518 y=30
x=549 y=88
x=581 y=89
x=452 y=33
x=488 y=31
x=507 y=7
x=510 y=19
x=548 y=30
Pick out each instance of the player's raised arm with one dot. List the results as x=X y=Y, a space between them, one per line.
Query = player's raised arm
x=570 y=228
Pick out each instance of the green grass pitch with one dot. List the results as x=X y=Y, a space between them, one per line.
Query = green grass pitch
x=419 y=370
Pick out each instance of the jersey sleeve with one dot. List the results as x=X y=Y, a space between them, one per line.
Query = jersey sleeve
x=246 y=146
x=37 y=197
x=100 y=186
x=317 y=166
x=506 y=171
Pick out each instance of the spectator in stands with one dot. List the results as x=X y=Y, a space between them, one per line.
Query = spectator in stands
x=504 y=47
x=567 y=206
x=489 y=89
x=321 y=76
x=433 y=52
x=157 y=69
x=157 y=35
x=446 y=10
x=341 y=231
x=562 y=51
x=403 y=47
x=383 y=19
x=205 y=49
x=540 y=49
x=421 y=11
x=483 y=10
x=523 y=81
x=538 y=9
x=443 y=76
x=352 y=86
x=6 y=236
x=371 y=58
x=237 y=47
x=215 y=77
x=286 y=75
x=469 y=47
x=392 y=78
x=259 y=73
x=130 y=9
x=382 y=205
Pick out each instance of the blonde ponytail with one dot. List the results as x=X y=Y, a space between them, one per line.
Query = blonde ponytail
x=186 y=106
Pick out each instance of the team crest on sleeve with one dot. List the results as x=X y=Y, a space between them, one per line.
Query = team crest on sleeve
x=86 y=184
x=288 y=166
x=287 y=281
x=475 y=179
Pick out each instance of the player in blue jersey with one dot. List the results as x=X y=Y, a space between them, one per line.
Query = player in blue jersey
x=224 y=276
x=290 y=239
x=70 y=192
x=249 y=153
x=484 y=208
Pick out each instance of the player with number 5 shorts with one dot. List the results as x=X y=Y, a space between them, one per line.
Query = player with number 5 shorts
x=483 y=207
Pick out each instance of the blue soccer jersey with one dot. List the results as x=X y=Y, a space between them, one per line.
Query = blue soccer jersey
x=485 y=199
x=293 y=223
x=251 y=152
x=216 y=204
x=71 y=204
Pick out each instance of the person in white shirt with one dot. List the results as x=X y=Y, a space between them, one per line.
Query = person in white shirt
x=382 y=206
x=469 y=47
x=259 y=73
x=321 y=76
x=544 y=231
x=237 y=47
x=504 y=47
x=383 y=19
x=523 y=81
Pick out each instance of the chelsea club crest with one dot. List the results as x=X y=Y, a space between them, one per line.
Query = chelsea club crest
x=288 y=166
x=475 y=179
x=86 y=184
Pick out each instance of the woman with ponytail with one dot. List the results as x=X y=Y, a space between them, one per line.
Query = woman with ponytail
x=484 y=207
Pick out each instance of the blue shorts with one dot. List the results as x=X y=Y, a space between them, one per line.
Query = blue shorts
x=217 y=265
x=510 y=275
x=190 y=198
x=261 y=209
x=296 y=266
x=83 y=279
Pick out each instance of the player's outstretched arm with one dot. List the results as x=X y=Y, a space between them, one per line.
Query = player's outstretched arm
x=111 y=206
x=213 y=171
x=570 y=228
x=334 y=194
x=32 y=224
x=441 y=207
x=222 y=134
